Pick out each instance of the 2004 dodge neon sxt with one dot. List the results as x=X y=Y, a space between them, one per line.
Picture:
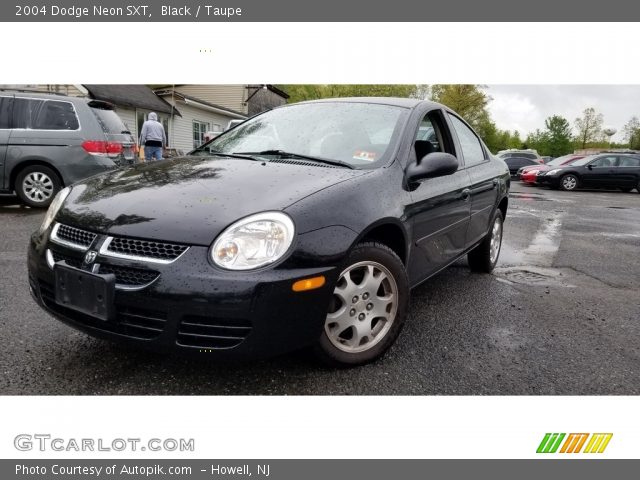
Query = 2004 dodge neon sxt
x=305 y=226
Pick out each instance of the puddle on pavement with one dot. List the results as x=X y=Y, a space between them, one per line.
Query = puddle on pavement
x=543 y=247
x=533 y=265
x=536 y=197
x=531 y=275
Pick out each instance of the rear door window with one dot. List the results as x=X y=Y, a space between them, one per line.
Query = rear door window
x=472 y=150
x=5 y=112
x=40 y=114
x=630 y=161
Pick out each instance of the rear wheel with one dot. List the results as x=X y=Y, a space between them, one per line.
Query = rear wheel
x=626 y=189
x=569 y=182
x=36 y=185
x=368 y=307
x=484 y=257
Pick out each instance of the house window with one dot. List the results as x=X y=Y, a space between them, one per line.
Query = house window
x=199 y=130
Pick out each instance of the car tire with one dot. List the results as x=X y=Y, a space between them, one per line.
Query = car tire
x=626 y=189
x=569 y=182
x=37 y=185
x=484 y=257
x=353 y=333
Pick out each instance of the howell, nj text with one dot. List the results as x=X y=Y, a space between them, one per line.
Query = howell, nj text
x=240 y=470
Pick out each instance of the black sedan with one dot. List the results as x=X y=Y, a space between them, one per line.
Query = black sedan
x=609 y=170
x=306 y=226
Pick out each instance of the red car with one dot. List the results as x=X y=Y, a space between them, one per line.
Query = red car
x=530 y=173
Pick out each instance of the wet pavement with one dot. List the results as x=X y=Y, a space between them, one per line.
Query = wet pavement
x=560 y=315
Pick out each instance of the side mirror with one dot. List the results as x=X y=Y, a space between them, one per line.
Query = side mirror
x=590 y=167
x=436 y=164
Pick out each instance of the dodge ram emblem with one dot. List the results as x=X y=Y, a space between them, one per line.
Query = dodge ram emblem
x=90 y=257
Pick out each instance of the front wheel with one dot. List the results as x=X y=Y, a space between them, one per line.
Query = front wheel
x=569 y=182
x=484 y=257
x=368 y=307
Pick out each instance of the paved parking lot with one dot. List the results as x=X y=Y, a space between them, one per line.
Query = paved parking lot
x=561 y=315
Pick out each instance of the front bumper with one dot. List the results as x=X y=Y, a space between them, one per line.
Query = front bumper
x=194 y=307
x=549 y=180
x=528 y=178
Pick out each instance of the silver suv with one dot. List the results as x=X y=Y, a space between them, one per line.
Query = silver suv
x=48 y=141
x=515 y=153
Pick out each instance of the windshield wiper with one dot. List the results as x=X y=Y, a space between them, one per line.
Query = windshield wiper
x=230 y=155
x=283 y=154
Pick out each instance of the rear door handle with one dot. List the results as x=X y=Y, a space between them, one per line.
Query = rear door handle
x=465 y=195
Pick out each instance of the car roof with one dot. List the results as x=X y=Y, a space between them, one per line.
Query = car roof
x=394 y=101
x=37 y=94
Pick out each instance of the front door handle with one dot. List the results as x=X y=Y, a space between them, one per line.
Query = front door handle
x=465 y=195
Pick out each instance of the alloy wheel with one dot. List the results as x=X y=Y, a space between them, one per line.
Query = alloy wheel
x=363 y=308
x=496 y=240
x=569 y=182
x=38 y=187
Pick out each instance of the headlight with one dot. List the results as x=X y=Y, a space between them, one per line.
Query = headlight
x=53 y=208
x=551 y=172
x=254 y=241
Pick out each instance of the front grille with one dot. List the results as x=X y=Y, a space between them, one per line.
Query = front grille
x=71 y=261
x=210 y=332
x=129 y=277
x=75 y=235
x=146 y=248
x=125 y=276
x=134 y=322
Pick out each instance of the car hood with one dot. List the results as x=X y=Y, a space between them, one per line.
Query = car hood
x=191 y=199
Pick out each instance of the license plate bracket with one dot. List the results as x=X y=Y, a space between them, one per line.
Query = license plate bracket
x=85 y=292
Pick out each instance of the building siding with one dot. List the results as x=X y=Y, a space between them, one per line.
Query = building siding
x=181 y=129
x=229 y=96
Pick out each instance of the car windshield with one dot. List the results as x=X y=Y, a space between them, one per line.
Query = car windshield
x=559 y=160
x=358 y=135
x=583 y=161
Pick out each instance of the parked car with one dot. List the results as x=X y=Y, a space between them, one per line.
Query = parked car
x=307 y=226
x=596 y=171
x=530 y=173
x=234 y=122
x=516 y=163
x=48 y=141
x=515 y=153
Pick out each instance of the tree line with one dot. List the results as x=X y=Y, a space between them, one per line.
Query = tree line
x=557 y=138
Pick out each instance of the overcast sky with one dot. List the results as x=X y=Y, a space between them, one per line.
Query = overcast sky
x=525 y=107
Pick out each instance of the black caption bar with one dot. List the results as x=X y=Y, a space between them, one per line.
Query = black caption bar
x=321 y=11
x=318 y=469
